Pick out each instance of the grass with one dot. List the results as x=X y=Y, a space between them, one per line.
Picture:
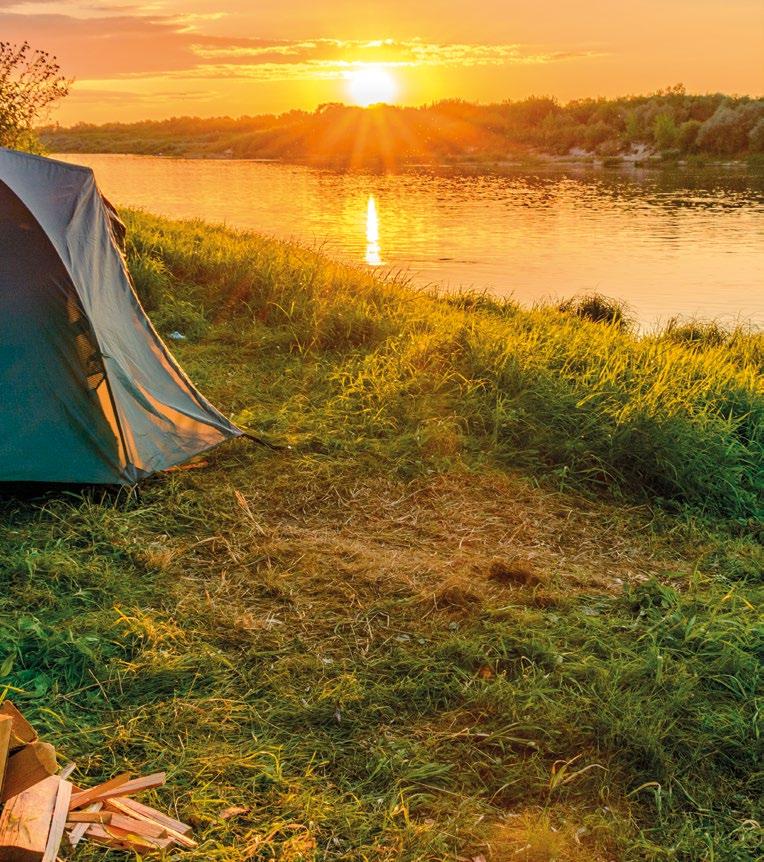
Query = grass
x=500 y=598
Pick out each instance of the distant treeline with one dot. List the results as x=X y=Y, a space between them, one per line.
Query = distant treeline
x=667 y=123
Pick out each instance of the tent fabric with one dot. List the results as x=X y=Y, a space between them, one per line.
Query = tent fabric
x=89 y=393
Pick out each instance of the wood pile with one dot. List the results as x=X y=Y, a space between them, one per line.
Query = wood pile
x=41 y=806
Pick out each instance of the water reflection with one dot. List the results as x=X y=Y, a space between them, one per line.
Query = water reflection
x=668 y=243
x=373 y=256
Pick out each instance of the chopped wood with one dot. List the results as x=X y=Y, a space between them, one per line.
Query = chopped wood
x=67 y=770
x=58 y=823
x=77 y=834
x=127 y=788
x=89 y=816
x=6 y=723
x=122 y=839
x=30 y=764
x=25 y=822
x=157 y=816
x=132 y=808
x=138 y=827
x=92 y=794
x=22 y=732
x=38 y=806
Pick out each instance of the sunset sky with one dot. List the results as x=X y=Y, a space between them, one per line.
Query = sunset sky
x=167 y=57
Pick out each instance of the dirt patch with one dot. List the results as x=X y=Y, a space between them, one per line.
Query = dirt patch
x=514 y=573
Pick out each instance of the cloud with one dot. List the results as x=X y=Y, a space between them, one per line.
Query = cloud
x=135 y=44
x=327 y=57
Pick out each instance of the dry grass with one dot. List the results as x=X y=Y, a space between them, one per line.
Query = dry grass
x=396 y=644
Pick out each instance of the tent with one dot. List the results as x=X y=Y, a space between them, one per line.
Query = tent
x=89 y=394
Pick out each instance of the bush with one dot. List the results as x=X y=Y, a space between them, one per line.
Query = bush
x=665 y=132
x=687 y=135
x=696 y=333
x=756 y=137
x=599 y=309
x=727 y=132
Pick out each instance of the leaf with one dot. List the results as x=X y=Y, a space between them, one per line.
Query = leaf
x=7 y=665
x=234 y=811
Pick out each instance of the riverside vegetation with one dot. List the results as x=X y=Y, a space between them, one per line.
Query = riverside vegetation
x=500 y=598
x=669 y=124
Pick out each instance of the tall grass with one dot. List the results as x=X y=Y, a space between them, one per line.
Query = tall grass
x=410 y=637
x=671 y=417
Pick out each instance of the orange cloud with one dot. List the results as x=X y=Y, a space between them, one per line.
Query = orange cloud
x=275 y=56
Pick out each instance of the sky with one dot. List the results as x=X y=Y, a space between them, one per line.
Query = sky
x=133 y=61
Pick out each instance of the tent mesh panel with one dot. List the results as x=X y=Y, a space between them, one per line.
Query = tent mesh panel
x=88 y=352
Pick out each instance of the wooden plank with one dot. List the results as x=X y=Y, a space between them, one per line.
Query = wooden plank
x=6 y=726
x=135 y=809
x=89 y=816
x=58 y=823
x=23 y=733
x=83 y=797
x=26 y=767
x=25 y=822
x=77 y=834
x=127 y=788
x=121 y=839
x=157 y=816
x=97 y=833
x=67 y=770
x=138 y=827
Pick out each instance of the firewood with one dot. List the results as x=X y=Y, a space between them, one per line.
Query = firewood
x=77 y=834
x=25 y=822
x=139 y=811
x=138 y=827
x=58 y=823
x=67 y=770
x=89 y=817
x=127 y=788
x=83 y=797
x=26 y=767
x=22 y=733
x=158 y=816
x=6 y=723
x=123 y=840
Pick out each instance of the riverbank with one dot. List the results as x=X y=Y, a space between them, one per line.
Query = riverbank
x=498 y=598
x=668 y=125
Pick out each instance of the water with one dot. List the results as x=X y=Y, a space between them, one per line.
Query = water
x=667 y=243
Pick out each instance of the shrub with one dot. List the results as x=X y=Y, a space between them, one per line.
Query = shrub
x=598 y=309
x=756 y=137
x=696 y=333
x=726 y=133
x=665 y=132
x=687 y=135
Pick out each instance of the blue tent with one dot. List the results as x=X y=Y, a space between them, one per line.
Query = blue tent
x=88 y=391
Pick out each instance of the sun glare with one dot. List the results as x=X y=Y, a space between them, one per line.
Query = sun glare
x=369 y=85
x=373 y=255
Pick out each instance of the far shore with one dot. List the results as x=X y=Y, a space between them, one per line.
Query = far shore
x=646 y=161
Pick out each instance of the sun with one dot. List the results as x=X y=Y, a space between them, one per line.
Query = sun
x=369 y=85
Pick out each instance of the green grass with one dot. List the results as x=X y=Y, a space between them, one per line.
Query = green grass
x=501 y=597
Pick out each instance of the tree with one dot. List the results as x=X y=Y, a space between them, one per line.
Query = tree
x=687 y=135
x=665 y=131
x=756 y=137
x=30 y=81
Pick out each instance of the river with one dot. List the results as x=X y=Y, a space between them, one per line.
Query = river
x=667 y=242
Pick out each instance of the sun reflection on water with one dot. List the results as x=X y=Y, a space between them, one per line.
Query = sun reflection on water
x=373 y=256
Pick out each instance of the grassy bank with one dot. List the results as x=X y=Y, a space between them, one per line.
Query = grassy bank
x=499 y=598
